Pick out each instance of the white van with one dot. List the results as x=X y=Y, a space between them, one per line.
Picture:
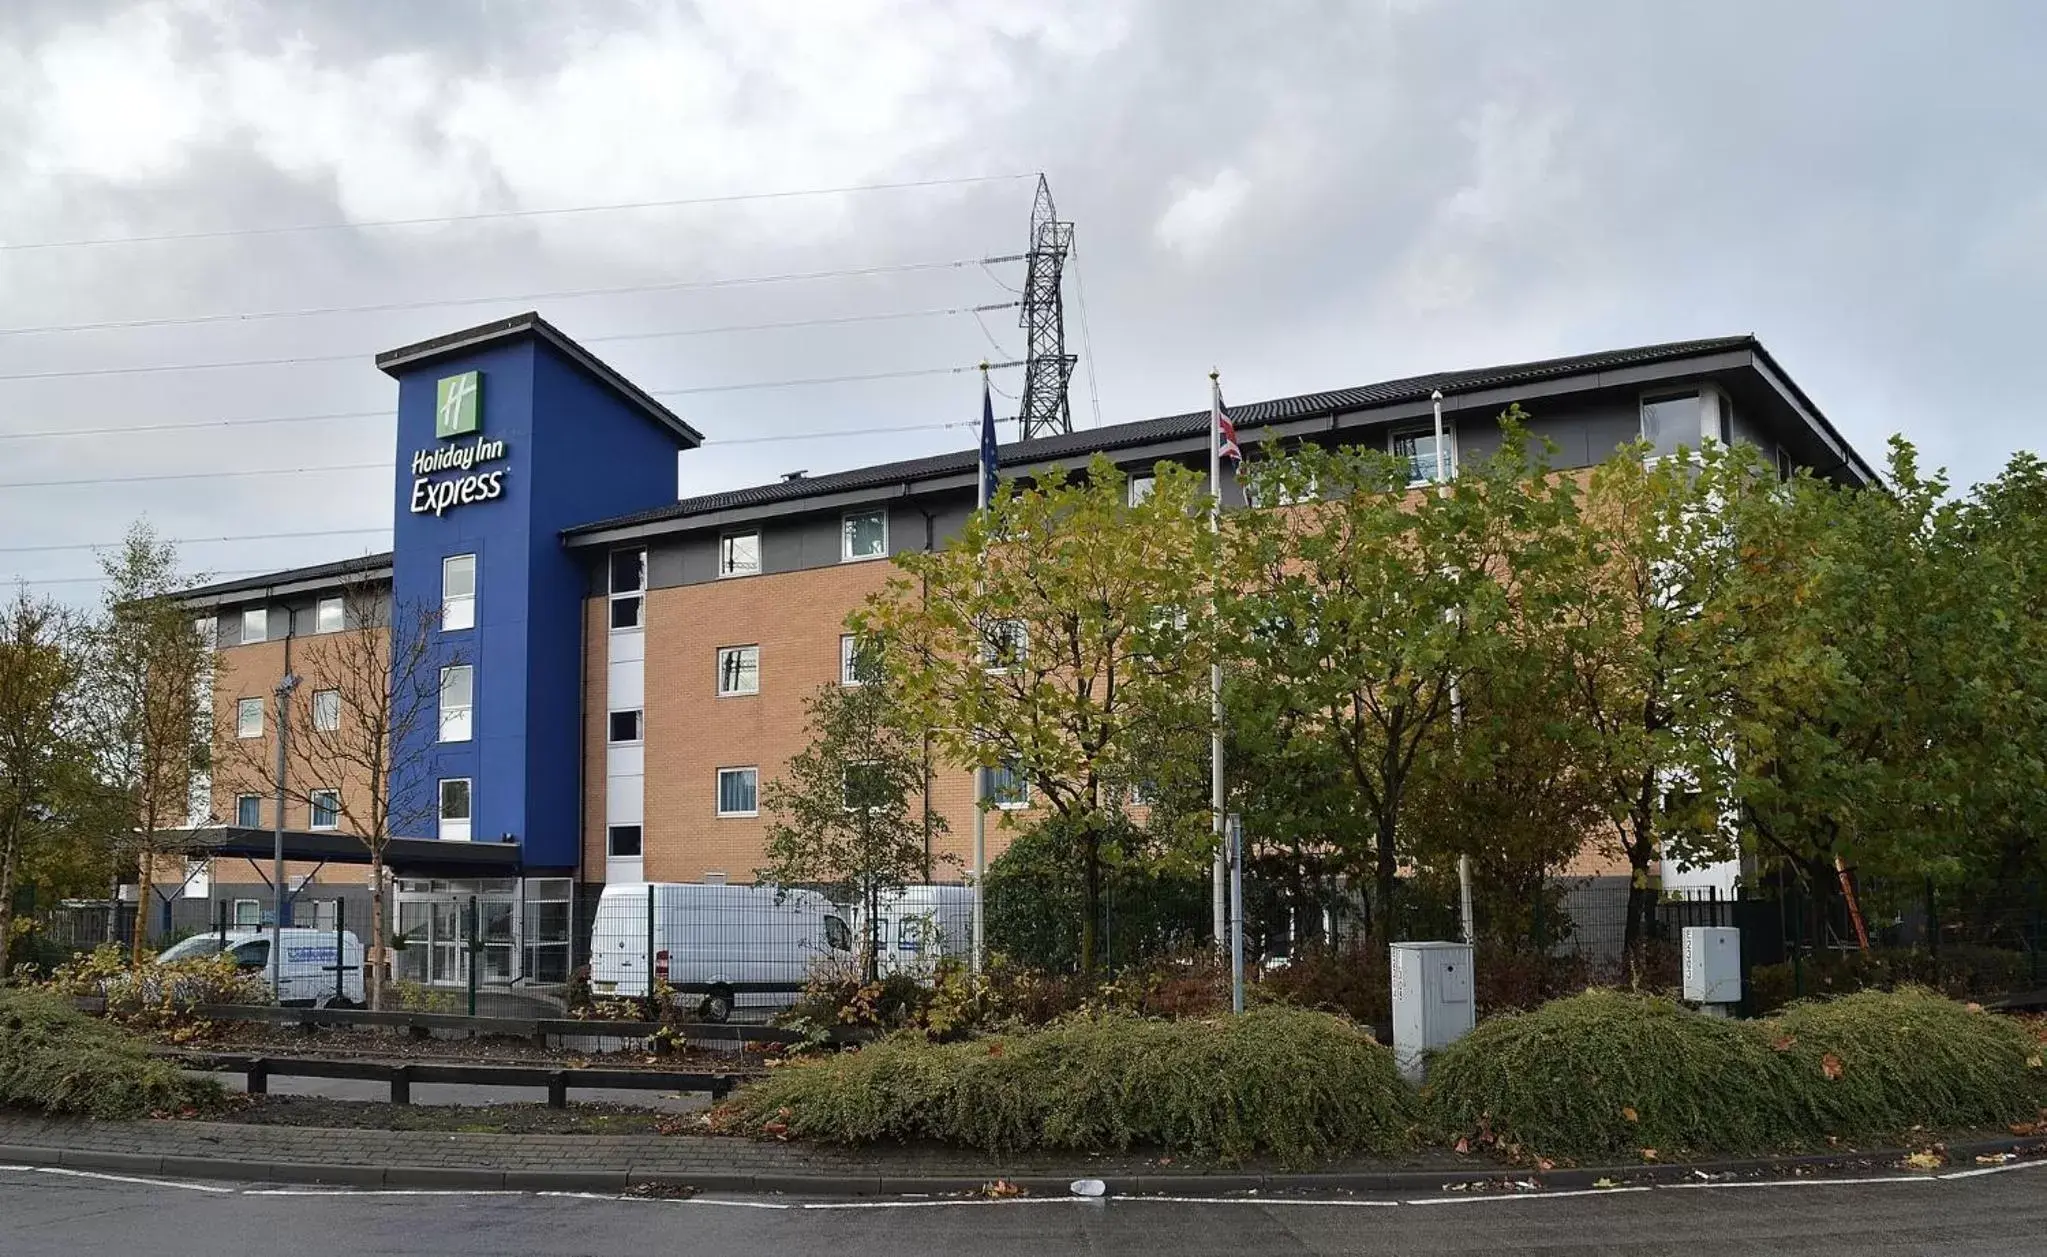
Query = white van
x=921 y=925
x=726 y=938
x=309 y=959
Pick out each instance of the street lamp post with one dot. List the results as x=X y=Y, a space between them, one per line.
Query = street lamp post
x=277 y=887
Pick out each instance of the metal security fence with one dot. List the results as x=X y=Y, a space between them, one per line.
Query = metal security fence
x=494 y=947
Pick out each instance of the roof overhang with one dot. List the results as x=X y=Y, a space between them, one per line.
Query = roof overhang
x=403 y=856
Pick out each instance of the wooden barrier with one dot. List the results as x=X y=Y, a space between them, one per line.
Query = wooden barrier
x=513 y=1027
x=401 y=1075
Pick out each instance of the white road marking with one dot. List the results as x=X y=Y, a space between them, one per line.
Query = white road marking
x=1527 y=1195
x=1254 y=1200
x=1809 y=1182
x=126 y=1178
x=939 y=1204
x=379 y=1191
x=2006 y=1168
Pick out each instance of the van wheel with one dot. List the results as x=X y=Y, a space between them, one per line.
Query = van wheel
x=341 y=1002
x=717 y=1006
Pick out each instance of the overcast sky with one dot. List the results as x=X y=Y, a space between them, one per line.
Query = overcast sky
x=1303 y=195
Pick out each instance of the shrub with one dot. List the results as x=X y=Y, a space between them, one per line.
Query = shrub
x=155 y=995
x=1880 y=1064
x=55 y=1059
x=1962 y=973
x=1034 y=902
x=1287 y=1083
x=1606 y=1073
x=1355 y=980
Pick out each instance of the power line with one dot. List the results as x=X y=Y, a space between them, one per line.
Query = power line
x=829 y=379
x=193 y=475
x=562 y=294
x=364 y=357
x=1087 y=341
x=101 y=580
x=196 y=541
x=487 y=215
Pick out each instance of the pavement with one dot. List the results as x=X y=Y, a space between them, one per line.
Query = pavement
x=50 y=1212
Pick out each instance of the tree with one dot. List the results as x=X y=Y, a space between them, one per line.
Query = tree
x=146 y=710
x=1358 y=607
x=1646 y=656
x=848 y=812
x=366 y=690
x=39 y=678
x=1062 y=628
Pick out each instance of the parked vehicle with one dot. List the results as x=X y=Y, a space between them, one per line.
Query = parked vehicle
x=921 y=926
x=736 y=946
x=308 y=975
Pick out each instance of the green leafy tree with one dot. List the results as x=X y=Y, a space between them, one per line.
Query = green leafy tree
x=848 y=812
x=1361 y=606
x=1645 y=653
x=1054 y=638
x=39 y=679
x=146 y=713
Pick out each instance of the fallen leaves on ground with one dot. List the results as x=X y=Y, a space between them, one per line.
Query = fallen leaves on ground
x=1001 y=1189
x=1630 y=1114
x=1925 y=1161
x=1648 y=1154
x=1830 y=1065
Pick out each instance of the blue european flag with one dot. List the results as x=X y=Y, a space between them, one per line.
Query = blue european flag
x=987 y=444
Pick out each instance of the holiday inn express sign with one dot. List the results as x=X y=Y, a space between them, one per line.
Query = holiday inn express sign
x=458 y=411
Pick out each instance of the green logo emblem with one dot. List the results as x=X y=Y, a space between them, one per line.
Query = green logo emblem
x=455 y=404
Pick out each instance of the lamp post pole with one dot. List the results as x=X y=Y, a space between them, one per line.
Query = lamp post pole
x=277 y=888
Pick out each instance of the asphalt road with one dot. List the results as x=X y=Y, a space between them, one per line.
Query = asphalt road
x=64 y=1215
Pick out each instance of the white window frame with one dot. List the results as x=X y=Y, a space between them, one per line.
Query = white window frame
x=1141 y=487
x=1393 y=437
x=458 y=611
x=1013 y=805
x=465 y=712
x=725 y=565
x=448 y=825
x=244 y=729
x=324 y=622
x=313 y=798
x=1695 y=438
x=718 y=787
x=260 y=617
x=610 y=844
x=849 y=657
x=615 y=597
x=256 y=799
x=1016 y=633
x=326 y=711
x=728 y=652
x=639 y=715
x=255 y=915
x=846 y=554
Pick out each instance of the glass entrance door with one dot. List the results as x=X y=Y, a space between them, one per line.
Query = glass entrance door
x=450 y=958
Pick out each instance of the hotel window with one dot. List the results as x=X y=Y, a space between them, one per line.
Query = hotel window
x=866 y=536
x=455 y=808
x=1008 y=787
x=1005 y=644
x=1416 y=447
x=249 y=811
x=858 y=662
x=1670 y=422
x=739 y=670
x=1141 y=487
x=329 y=617
x=625 y=726
x=458 y=592
x=326 y=710
x=458 y=702
x=255 y=625
x=249 y=718
x=326 y=809
x=628 y=588
x=1787 y=467
x=622 y=842
x=248 y=912
x=739 y=554
x=737 y=792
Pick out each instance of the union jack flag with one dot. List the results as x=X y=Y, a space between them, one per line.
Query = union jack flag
x=1224 y=432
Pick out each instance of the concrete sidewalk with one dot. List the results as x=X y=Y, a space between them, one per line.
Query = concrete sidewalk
x=377 y=1158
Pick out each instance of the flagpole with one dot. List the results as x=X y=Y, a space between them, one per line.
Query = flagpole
x=1215 y=668
x=981 y=774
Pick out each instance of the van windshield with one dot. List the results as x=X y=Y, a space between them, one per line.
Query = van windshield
x=252 y=955
x=836 y=934
x=194 y=947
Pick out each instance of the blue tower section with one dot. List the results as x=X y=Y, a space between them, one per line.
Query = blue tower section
x=507 y=434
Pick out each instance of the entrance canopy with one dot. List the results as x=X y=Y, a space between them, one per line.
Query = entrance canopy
x=406 y=857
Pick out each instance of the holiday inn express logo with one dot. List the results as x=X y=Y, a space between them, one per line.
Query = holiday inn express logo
x=456 y=402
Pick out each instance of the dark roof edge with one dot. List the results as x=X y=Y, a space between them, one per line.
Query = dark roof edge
x=291 y=580
x=530 y=323
x=1778 y=376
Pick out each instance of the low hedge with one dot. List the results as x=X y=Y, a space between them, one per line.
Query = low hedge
x=1960 y=972
x=1606 y=1074
x=1294 y=1085
x=1610 y=1074
x=57 y=1060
